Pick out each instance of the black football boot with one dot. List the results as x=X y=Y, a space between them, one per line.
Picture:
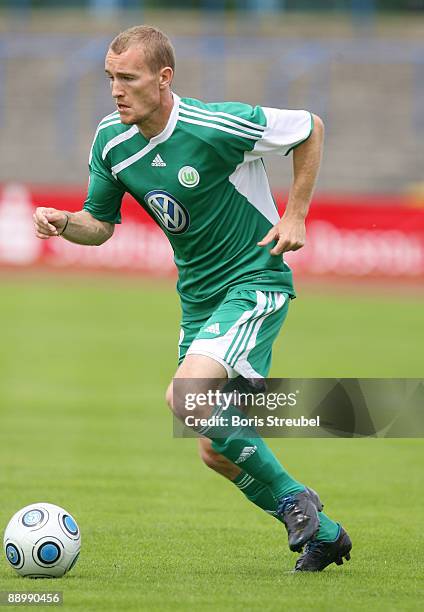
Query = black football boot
x=299 y=512
x=318 y=554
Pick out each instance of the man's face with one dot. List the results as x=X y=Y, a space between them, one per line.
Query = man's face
x=135 y=88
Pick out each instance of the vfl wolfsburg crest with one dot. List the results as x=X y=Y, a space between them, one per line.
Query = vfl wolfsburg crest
x=188 y=176
x=170 y=213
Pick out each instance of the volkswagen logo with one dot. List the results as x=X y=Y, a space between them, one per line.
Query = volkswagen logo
x=170 y=213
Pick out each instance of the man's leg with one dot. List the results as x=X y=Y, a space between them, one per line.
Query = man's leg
x=297 y=508
x=240 y=334
x=255 y=491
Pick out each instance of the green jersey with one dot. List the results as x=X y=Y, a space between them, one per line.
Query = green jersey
x=203 y=181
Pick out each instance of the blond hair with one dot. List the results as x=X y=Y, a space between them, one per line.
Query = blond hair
x=158 y=50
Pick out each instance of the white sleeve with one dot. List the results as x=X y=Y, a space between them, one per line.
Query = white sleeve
x=285 y=129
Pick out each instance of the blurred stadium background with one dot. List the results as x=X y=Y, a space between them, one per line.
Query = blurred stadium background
x=357 y=63
x=89 y=335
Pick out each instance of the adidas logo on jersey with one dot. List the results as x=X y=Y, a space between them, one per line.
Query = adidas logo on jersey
x=247 y=452
x=213 y=329
x=158 y=161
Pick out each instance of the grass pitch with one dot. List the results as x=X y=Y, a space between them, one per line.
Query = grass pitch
x=83 y=424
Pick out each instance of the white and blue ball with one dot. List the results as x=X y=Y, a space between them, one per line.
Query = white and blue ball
x=42 y=541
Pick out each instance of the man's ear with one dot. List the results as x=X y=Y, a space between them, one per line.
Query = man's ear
x=165 y=77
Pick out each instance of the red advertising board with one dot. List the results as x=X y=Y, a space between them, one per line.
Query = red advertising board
x=348 y=236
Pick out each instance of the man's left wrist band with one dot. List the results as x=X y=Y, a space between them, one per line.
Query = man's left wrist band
x=66 y=224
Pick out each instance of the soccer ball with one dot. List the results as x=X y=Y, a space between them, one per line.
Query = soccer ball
x=42 y=541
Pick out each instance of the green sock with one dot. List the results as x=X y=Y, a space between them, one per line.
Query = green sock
x=241 y=445
x=328 y=530
x=270 y=481
x=258 y=493
x=261 y=496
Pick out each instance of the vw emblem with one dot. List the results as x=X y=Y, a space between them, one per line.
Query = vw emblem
x=169 y=212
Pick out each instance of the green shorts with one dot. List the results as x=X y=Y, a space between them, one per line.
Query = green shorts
x=239 y=334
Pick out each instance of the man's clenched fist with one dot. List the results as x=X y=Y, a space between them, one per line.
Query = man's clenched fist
x=49 y=222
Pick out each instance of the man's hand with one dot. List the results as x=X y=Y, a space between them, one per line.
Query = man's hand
x=49 y=222
x=290 y=233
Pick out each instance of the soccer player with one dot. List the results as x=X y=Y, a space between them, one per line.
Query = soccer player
x=197 y=170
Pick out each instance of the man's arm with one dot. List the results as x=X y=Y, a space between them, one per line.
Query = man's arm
x=79 y=227
x=290 y=230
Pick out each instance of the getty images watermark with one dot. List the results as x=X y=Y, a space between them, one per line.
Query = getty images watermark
x=318 y=407
x=228 y=401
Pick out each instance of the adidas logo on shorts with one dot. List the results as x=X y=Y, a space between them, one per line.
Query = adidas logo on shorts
x=158 y=161
x=213 y=329
x=247 y=452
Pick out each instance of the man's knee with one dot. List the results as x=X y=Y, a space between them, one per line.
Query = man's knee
x=175 y=397
x=169 y=396
x=195 y=377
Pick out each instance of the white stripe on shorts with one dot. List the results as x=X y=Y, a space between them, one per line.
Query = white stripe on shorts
x=233 y=348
